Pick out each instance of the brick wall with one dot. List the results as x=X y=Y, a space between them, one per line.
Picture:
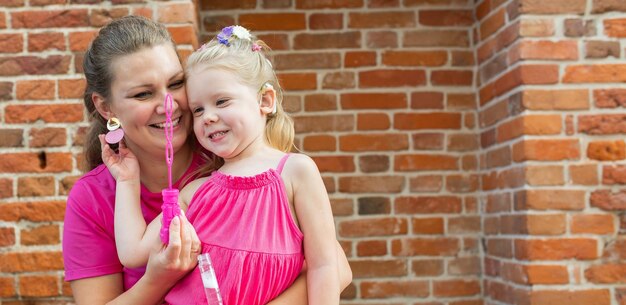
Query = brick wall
x=42 y=124
x=471 y=149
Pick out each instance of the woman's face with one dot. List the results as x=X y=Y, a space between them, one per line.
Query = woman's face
x=140 y=83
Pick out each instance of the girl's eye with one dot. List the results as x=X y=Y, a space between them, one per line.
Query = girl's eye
x=198 y=111
x=221 y=102
x=177 y=84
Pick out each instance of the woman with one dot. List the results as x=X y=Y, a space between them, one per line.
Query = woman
x=129 y=68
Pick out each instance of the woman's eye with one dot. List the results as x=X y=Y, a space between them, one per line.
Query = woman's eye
x=177 y=84
x=142 y=95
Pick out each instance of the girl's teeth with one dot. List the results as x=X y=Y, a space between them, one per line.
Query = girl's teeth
x=217 y=134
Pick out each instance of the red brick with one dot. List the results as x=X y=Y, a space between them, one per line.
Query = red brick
x=214 y=23
x=307 y=61
x=60 y=113
x=451 y=78
x=462 y=183
x=602 y=6
x=426 y=184
x=461 y=101
x=546 y=150
x=101 y=17
x=373 y=121
x=464 y=266
x=378 y=268
x=436 y=38
x=341 y=207
x=602 y=124
x=391 y=78
x=615 y=174
x=381 y=39
x=550 y=199
x=425 y=246
x=334 y=163
x=31 y=261
x=320 y=143
x=579 y=28
x=552 y=7
x=600 y=224
x=6 y=188
x=33 y=211
x=584 y=174
x=602 y=73
x=427 y=267
x=500 y=247
x=428 y=141
x=318 y=21
x=425 y=162
x=544 y=175
x=339 y=80
x=608 y=200
x=436 y=120
x=35 y=186
x=7 y=287
x=33 y=162
x=571 y=297
x=371 y=248
x=374 y=205
x=373 y=227
x=464 y=225
x=415 y=58
x=50 y=18
x=374 y=163
x=267 y=21
x=546 y=274
x=71 y=88
x=42 y=235
x=305 y=124
x=184 y=34
x=602 y=49
x=373 y=100
x=385 y=289
x=377 y=20
x=35 y=90
x=575 y=99
x=373 y=142
x=39 y=42
x=371 y=184
x=607 y=150
x=462 y=59
x=11 y=43
x=456 y=288
x=447 y=17
x=360 y=59
x=537 y=27
x=182 y=12
x=208 y=5
x=31 y=65
x=615 y=27
x=427 y=100
x=7 y=238
x=298 y=81
x=11 y=138
x=427 y=225
x=39 y=285
x=312 y=4
x=428 y=205
x=341 y=40
x=492 y=24
x=556 y=249
x=550 y=50
x=606 y=274
x=609 y=98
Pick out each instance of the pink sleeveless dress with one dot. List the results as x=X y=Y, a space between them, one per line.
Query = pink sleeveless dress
x=245 y=224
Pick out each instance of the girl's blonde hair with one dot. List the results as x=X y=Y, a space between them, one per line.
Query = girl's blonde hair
x=248 y=59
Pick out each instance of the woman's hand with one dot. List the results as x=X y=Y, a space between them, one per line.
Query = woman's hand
x=122 y=165
x=172 y=262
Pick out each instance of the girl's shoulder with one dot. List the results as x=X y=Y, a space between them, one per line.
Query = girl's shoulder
x=186 y=194
x=299 y=166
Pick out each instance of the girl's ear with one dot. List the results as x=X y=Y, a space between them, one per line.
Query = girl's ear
x=101 y=106
x=268 y=99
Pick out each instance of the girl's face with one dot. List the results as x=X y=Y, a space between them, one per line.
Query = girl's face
x=140 y=84
x=227 y=116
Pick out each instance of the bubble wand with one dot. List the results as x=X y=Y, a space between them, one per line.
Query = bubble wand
x=170 y=205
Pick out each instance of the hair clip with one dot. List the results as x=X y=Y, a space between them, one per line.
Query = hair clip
x=233 y=31
x=256 y=47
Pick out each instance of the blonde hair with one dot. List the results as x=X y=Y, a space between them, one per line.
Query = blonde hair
x=254 y=69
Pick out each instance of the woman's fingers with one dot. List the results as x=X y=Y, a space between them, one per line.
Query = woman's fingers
x=172 y=251
x=186 y=238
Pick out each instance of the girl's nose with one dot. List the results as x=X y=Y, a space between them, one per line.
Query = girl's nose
x=209 y=117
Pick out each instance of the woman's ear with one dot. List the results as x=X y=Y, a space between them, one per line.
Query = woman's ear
x=101 y=106
x=268 y=99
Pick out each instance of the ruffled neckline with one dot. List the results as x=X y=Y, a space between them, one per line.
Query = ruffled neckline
x=244 y=182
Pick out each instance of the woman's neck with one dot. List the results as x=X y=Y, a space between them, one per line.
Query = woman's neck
x=154 y=169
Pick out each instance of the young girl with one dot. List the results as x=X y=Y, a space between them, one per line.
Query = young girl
x=262 y=210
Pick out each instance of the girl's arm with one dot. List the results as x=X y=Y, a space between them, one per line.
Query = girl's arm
x=132 y=242
x=313 y=210
x=165 y=267
x=296 y=294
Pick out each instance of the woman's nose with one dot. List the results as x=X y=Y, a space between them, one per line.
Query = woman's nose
x=168 y=101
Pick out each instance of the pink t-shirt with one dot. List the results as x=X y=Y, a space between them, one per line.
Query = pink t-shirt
x=88 y=236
